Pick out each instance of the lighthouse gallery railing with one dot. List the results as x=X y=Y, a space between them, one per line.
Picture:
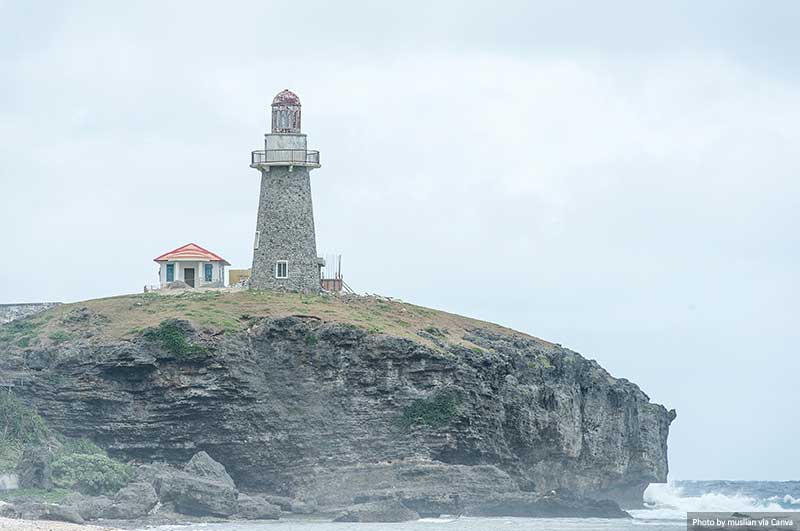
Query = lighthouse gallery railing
x=289 y=156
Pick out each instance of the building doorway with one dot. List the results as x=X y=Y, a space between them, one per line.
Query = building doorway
x=188 y=276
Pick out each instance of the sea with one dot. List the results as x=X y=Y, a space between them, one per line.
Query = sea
x=665 y=509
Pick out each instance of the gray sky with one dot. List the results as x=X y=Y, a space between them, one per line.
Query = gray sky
x=618 y=177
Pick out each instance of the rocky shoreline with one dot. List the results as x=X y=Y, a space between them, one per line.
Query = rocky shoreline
x=357 y=409
x=13 y=524
x=203 y=491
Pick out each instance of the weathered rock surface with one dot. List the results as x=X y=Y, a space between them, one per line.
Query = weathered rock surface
x=257 y=508
x=34 y=470
x=553 y=505
x=203 y=488
x=91 y=507
x=292 y=404
x=34 y=510
x=203 y=466
x=134 y=501
x=378 y=511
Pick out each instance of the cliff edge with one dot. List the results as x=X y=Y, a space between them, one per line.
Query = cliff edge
x=339 y=400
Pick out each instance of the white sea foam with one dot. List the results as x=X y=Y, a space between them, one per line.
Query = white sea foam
x=668 y=502
x=788 y=499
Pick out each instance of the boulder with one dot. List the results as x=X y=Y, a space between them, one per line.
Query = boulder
x=33 y=510
x=197 y=496
x=34 y=468
x=203 y=466
x=553 y=505
x=203 y=488
x=62 y=513
x=378 y=511
x=89 y=507
x=134 y=501
x=257 y=508
x=284 y=502
x=9 y=482
x=302 y=507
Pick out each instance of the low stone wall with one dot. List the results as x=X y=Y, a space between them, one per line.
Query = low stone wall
x=8 y=482
x=11 y=312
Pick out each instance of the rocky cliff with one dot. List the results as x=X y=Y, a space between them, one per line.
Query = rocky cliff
x=339 y=400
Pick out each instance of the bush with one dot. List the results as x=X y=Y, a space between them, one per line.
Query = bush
x=79 y=446
x=19 y=423
x=59 y=336
x=436 y=411
x=171 y=338
x=19 y=426
x=92 y=474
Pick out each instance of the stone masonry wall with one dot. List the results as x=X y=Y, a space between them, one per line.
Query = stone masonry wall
x=286 y=231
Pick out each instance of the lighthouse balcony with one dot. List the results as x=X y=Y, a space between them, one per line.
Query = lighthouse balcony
x=284 y=157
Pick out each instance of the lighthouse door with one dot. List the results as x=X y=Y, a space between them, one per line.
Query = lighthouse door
x=188 y=276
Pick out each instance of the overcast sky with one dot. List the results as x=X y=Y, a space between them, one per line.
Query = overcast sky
x=618 y=177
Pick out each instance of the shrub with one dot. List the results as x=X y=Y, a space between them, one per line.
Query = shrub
x=436 y=411
x=79 y=446
x=59 y=336
x=438 y=332
x=19 y=423
x=171 y=338
x=92 y=474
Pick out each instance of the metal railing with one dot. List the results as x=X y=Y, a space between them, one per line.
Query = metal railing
x=288 y=156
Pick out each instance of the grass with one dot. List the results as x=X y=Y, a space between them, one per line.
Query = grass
x=48 y=496
x=127 y=316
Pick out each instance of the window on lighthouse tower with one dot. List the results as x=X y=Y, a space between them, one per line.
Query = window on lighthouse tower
x=282 y=269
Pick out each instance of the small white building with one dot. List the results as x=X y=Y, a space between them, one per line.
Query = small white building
x=197 y=267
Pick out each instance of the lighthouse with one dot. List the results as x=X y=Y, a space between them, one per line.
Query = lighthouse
x=285 y=247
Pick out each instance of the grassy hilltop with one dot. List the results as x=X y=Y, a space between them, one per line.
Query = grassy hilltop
x=231 y=311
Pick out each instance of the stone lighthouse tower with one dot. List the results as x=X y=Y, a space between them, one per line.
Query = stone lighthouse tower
x=285 y=248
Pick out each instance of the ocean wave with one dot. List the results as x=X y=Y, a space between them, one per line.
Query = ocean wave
x=785 y=501
x=668 y=501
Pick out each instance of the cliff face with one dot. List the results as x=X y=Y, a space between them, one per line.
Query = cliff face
x=323 y=409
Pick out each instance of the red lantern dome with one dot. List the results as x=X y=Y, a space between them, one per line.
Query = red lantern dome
x=286 y=97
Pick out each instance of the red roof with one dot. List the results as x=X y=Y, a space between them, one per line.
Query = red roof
x=190 y=251
x=286 y=97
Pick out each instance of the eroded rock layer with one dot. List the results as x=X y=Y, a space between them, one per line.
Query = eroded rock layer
x=300 y=407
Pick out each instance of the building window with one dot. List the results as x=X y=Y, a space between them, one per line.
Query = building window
x=258 y=239
x=281 y=269
x=170 y=272
x=208 y=272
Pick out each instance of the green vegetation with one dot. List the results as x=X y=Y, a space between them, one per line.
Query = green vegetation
x=436 y=411
x=130 y=316
x=92 y=474
x=59 y=336
x=22 y=332
x=79 y=446
x=311 y=339
x=436 y=332
x=19 y=426
x=172 y=339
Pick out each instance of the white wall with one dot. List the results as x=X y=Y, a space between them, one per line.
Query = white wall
x=218 y=274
